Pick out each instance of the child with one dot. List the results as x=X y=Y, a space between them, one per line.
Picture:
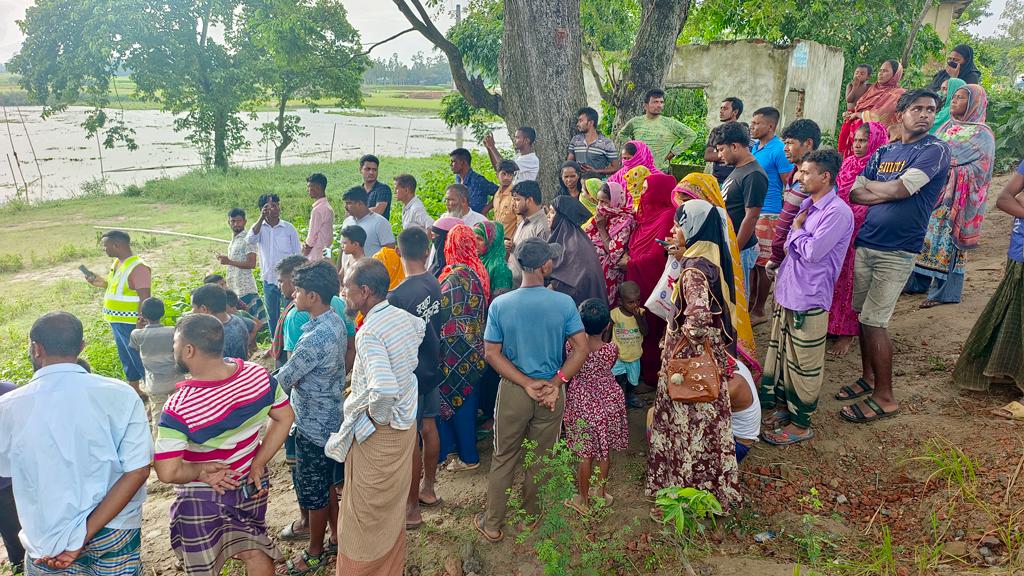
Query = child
x=504 y=205
x=629 y=328
x=353 y=239
x=595 y=411
x=746 y=410
x=858 y=86
x=155 y=343
x=253 y=323
x=216 y=279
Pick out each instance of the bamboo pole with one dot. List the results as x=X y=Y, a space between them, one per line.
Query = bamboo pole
x=14 y=151
x=35 y=158
x=166 y=233
x=333 y=133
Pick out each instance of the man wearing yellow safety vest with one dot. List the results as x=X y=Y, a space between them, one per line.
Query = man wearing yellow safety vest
x=128 y=283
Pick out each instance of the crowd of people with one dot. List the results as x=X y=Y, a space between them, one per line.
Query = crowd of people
x=512 y=318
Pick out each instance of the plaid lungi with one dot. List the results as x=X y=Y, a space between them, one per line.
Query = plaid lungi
x=764 y=230
x=994 y=349
x=793 y=369
x=110 y=553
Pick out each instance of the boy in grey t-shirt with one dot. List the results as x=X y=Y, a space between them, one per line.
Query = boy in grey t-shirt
x=155 y=344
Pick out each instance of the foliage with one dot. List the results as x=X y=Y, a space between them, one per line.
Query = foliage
x=950 y=463
x=478 y=37
x=423 y=70
x=1006 y=118
x=685 y=510
x=689 y=106
x=456 y=111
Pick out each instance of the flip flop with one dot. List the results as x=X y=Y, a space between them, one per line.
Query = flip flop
x=571 y=503
x=852 y=394
x=780 y=437
x=433 y=504
x=860 y=418
x=776 y=418
x=289 y=534
x=478 y=523
x=1012 y=411
x=413 y=525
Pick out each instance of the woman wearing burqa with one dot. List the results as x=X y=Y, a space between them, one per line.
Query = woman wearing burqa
x=578 y=272
x=438 y=236
x=959 y=64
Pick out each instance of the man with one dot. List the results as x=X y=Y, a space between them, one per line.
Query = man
x=420 y=295
x=798 y=139
x=524 y=342
x=456 y=199
x=378 y=434
x=207 y=445
x=769 y=152
x=211 y=299
x=596 y=153
x=128 y=283
x=377 y=228
x=533 y=223
x=729 y=111
x=504 y=203
x=77 y=449
x=276 y=239
x=315 y=375
x=815 y=250
x=414 y=213
x=665 y=136
x=901 y=184
x=480 y=189
x=240 y=261
x=9 y=525
x=321 y=219
x=378 y=193
x=155 y=344
x=743 y=191
x=527 y=160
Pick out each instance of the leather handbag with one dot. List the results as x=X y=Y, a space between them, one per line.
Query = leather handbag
x=694 y=379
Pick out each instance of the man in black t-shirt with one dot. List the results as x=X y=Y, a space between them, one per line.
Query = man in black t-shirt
x=379 y=193
x=744 y=190
x=420 y=294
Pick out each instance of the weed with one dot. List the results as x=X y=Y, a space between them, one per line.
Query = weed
x=685 y=510
x=950 y=463
x=880 y=561
x=937 y=364
x=10 y=263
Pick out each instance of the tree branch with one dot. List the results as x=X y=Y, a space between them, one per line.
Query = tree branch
x=918 y=24
x=605 y=94
x=372 y=46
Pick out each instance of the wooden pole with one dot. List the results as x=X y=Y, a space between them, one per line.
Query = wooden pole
x=14 y=176
x=166 y=233
x=35 y=158
x=407 y=132
x=14 y=151
x=333 y=133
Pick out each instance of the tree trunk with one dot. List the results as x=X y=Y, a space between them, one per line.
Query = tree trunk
x=286 y=138
x=542 y=77
x=220 y=132
x=918 y=24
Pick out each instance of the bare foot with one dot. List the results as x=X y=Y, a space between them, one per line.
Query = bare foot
x=758 y=319
x=413 y=517
x=427 y=496
x=841 y=347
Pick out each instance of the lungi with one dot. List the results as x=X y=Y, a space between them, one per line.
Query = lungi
x=793 y=368
x=109 y=553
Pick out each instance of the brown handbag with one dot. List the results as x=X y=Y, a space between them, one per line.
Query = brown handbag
x=694 y=379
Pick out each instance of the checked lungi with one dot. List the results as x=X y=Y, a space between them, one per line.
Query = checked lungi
x=793 y=369
x=110 y=553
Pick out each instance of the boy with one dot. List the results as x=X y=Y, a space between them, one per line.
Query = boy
x=252 y=323
x=155 y=343
x=857 y=87
x=504 y=205
x=216 y=279
x=353 y=245
x=211 y=299
x=629 y=328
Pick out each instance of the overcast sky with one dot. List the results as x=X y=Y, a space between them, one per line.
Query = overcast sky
x=375 y=20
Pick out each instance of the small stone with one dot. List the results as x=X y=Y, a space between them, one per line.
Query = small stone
x=985 y=551
x=154 y=534
x=955 y=548
x=834 y=483
x=885 y=512
x=841 y=499
x=472 y=565
x=959 y=535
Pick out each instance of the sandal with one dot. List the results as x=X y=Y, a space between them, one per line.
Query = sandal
x=780 y=437
x=437 y=502
x=848 y=393
x=312 y=564
x=572 y=503
x=859 y=417
x=457 y=465
x=478 y=523
x=330 y=549
x=289 y=534
x=776 y=419
x=1012 y=411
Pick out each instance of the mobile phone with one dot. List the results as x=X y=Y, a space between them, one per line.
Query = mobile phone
x=664 y=244
x=88 y=273
x=250 y=489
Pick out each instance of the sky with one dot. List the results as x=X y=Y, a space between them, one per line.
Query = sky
x=375 y=20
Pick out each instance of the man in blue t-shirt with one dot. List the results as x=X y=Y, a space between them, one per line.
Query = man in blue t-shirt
x=901 y=184
x=524 y=342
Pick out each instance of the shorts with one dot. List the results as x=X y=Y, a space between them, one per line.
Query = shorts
x=428 y=406
x=878 y=281
x=155 y=405
x=314 y=474
x=630 y=369
x=765 y=233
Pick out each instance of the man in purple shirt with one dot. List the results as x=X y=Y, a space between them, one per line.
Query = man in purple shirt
x=815 y=249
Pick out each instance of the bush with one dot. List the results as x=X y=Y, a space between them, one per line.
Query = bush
x=1006 y=118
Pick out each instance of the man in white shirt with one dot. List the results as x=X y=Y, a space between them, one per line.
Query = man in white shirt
x=276 y=240
x=456 y=199
x=526 y=158
x=377 y=228
x=414 y=213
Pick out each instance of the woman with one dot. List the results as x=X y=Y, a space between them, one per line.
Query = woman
x=438 y=236
x=959 y=64
x=842 y=319
x=955 y=224
x=634 y=153
x=948 y=88
x=878 y=104
x=609 y=231
x=389 y=258
x=692 y=444
x=646 y=258
x=578 y=272
x=464 y=296
x=490 y=246
x=636 y=180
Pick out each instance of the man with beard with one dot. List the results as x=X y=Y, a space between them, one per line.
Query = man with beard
x=596 y=153
x=240 y=261
x=533 y=223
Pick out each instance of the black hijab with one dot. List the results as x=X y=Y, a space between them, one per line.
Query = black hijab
x=578 y=272
x=713 y=230
x=439 y=238
x=969 y=72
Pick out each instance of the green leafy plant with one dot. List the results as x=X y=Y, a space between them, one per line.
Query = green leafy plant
x=1006 y=118
x=685 y=510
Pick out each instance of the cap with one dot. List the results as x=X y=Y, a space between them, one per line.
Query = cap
x=532 y=253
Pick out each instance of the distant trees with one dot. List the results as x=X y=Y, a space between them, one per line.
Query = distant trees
x=422 y=71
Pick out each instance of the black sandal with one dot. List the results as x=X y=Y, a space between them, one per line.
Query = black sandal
x=852 y=394
x=860 y=418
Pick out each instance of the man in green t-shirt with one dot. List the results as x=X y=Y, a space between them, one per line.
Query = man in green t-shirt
x=665 y=136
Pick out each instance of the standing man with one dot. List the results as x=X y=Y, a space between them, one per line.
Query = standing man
x=77 y=449
x=798 y=139
x=9 y=525
x=456 y=199
x=420 y=295
x=524 y=342
x=276 y=239
x=378 y=193
x=901 y=184
x=240 y=261
x=480 y=189
x=321 y=219
x=769 y=153
x=377 y=228
x=665 y=136
x=378 y=432
x=533 y=223
x=815 y=250
x=414 y=213
x=743 y=191
x=527 y=160
x=729 y=111
x=128 y=283
x=596 y=153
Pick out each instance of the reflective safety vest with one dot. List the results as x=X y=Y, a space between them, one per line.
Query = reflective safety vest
x=120 y=302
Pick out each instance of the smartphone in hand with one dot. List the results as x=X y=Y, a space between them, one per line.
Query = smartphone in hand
x=664 y=244
x=89 y=275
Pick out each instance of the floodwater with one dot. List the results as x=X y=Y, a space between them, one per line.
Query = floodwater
x=68 y=160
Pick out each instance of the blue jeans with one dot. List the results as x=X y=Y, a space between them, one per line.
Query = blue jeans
x=130 y=359
x=272 y=298
x=748 y=258
x=459 y=431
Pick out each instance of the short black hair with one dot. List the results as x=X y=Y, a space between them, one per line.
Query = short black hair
x=356 y=194
x=529 y=132
x=867 y=67
x=369 y=158
x=414 y=243
x=653 y=93
x=288 y=264
x=152 y=309
x=406 y=181
x=733 y=133
x=508 y=166
x=213 y=279
x=319 y=277
x=204 y=332
x=590 y=113
x=371 y=273
x=802 y=130
x=212 y=296
x=355 y=234
x=769 y=112
x=59 y=333
x=463 y=154
x=595 y=315
x=318 y=179
x=736 y=104
x=828 y=160
x=117 y=236
x=264 y=198
x=629 y=147
x=461 y=189
x=528 y=189
x=236 y=213
x=910 y=97
x=231 y=298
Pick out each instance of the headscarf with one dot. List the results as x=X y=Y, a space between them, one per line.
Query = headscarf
x=460 y=249
x=578 y=269
x=389 y=258
x=968 y=72
x=879 y=101
x=494 y=259
x=618 y=213
x=653 y=222
x=972 y=150
x=635 y=179
x=704 y=227
x=618 y=217
x=440 y=230
x=878 y=135
x=643 y=157
x=942 y=116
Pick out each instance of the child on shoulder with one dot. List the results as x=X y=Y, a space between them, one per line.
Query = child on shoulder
x=628 y=330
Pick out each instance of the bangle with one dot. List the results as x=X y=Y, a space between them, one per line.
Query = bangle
x=561 y=376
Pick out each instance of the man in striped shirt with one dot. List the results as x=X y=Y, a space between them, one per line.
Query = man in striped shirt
x=208 y=441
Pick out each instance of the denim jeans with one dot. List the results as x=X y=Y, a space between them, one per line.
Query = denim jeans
x=748 y=258
x=272 y=298
x=130 y=359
